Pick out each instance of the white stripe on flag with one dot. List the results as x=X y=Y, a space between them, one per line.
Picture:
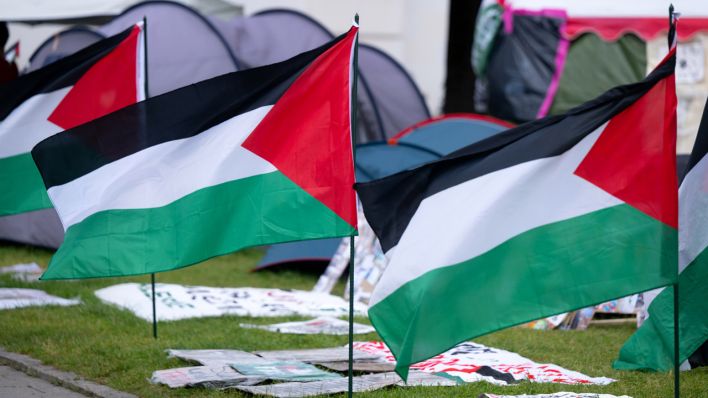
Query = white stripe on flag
x=27 y=125
x=484 y=212
x=693 y=213
x=163 y=173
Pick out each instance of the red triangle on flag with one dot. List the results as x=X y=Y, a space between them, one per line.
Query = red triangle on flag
x=307 y=133
x=110 y=84
x=634 y=159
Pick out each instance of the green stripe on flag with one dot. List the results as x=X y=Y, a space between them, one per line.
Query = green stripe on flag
x=545 y=271
x=652 y=346
x=22 y=186
x=253 y=211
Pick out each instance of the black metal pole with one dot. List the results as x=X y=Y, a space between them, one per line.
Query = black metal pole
x=677 y=365
x=677 y=389
x=145 y=88
x=354 y=100
x=154 y=313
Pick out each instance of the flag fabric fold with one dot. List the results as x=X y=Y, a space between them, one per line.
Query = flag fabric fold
x=249 y=158
x=652 y=346
x=551 y=216
x=95 y=81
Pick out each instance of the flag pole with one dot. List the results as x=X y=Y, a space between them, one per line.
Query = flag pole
x=145 y=89
x=677 y=389
x=353 y=100
x=154 y=313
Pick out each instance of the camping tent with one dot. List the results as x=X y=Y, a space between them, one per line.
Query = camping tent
x=535 y=58
x=389 y=100
x=447 y=133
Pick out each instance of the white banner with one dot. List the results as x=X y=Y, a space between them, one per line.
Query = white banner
x=23 y=272
x=17 y=298
x=321 y=325
x=175 y=302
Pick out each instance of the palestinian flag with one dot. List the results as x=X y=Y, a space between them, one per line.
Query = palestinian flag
x=652 y=346
x=95 y=81
x=551 y=216
x=244 y=159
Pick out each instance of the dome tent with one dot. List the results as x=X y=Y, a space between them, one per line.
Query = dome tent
x=389 y=99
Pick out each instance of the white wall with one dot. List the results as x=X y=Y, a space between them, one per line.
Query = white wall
x=413 y=32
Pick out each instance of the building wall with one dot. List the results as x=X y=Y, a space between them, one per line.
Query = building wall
x=413 y=32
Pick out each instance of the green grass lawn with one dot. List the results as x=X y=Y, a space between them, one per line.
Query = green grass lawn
x=113 y=347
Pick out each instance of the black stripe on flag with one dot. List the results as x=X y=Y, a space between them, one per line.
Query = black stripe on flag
x=390 y=203
x=57 y=75
x=175 y=115
x=700 y=147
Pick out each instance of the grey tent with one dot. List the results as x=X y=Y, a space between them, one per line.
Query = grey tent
x=176 y=57
x=185 y=47
x=389 y=100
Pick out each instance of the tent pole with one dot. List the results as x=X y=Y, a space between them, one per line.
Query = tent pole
x=677 y=389
x=353 y=104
